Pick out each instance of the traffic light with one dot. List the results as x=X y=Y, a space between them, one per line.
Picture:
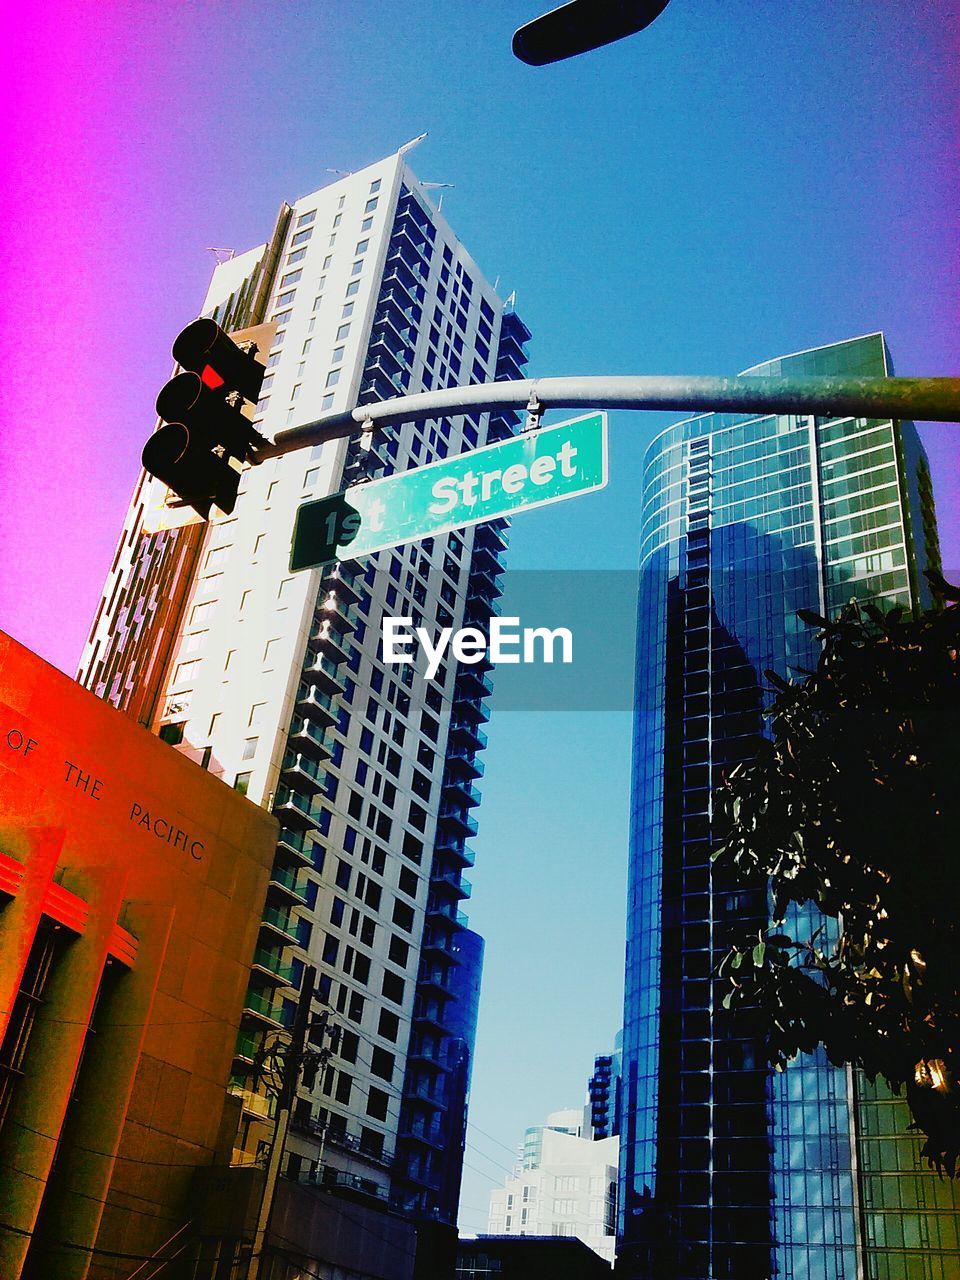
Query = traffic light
x=206 y=426
x=580 y=26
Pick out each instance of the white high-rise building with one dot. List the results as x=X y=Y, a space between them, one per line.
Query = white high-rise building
x=274 y=681
x=566 y=1185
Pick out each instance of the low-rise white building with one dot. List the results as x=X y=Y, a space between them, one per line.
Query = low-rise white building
x=569 y=1189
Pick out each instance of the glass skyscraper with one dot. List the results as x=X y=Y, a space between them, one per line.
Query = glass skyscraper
x=729 y=1170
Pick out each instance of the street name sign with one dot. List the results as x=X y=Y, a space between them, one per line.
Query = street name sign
x=526 y=471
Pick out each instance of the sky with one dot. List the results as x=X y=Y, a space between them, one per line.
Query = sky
x=741 y=180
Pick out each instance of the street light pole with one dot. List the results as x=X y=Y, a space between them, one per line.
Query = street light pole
x=923 y=399
x=293 y=1061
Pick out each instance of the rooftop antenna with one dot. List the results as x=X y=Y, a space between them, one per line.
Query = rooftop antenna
x=408 y=146
x=223 y=255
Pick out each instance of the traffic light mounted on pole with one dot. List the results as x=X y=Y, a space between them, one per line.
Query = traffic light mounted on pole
x=206 y=426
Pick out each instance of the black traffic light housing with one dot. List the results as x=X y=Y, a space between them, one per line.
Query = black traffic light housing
x=206 y=425
x=580 y=26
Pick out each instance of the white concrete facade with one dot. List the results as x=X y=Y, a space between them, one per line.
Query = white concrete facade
x=572 y=1192
x=236 y=665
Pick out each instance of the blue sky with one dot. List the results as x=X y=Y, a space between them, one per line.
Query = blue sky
x=741 y=180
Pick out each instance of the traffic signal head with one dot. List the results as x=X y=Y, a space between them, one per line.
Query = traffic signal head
x=207 y=427
x=191 y=470
x=580 y=26
x=203 y=348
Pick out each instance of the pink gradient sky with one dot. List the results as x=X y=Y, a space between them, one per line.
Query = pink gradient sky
x=743 y=180
x=147 y=131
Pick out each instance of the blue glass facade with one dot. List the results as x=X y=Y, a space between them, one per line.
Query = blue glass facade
x=729 y=1170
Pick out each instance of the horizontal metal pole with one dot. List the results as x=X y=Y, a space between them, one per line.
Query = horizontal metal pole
x=921 y=399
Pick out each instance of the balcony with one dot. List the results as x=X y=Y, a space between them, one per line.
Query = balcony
x=308 y=737
x=398 y=302
x=491 y=536
x=285 y=884
x=459 y=791
x=467 y=706
x=295 y=810
x=278 y=922
x=508 y=369
x=269 y=964
x=302 y=772
x=407 y=235
x=330 y=642
x=314 y=702
x=337 y=609
x=245 y=1051
x=261 y=1008
x=398 y=283
x=441 y=944
x=398 y=312
x=389 y=352
x=350 y=1185
x=452 y=818
x=429 y=1014
x=428 y=1135
x=397 y=335
x=464 y=733
x=472 y=684
x=341 y=579
x=462 y=761
x=409 y=207
x=451 y=884
x=296 y=845
x=479 y=611
x=403 y=260
x=485 y=583
x=429 y=1055
x=398 y=379
x=324 y=673
x=451 y=846
x=435 y=979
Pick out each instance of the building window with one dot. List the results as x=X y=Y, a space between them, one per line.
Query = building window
x=306 y=218
x=311 y=478
x=241 y=783
x=357 y=267
x=375 y=186
x=370 y=205
x=302 y=237
x=347 y=311
x=352 y=288
x=298 y=255
x=291 y=278
x=327 y=401
x=382 y=1064
x=284 y=299
x=366 y=224
x=342 y=332
x=186 y=672
x=333 y=377
x=377 y=1102
x=172 y=733
x=249 y=748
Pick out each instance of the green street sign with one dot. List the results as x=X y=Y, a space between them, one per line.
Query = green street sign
x=502 y=479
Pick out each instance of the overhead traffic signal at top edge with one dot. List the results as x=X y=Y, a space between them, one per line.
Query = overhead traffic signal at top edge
x=206 y=426
x=580 y=26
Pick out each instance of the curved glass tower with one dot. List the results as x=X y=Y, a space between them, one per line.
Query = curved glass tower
x=727 y=1169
